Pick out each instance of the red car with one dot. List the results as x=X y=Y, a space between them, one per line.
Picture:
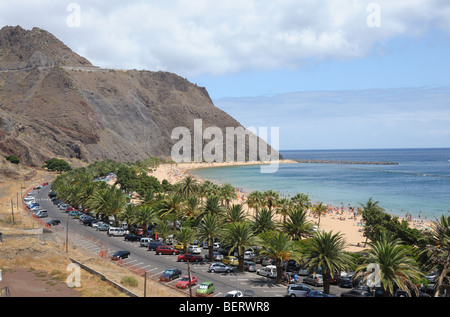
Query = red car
x=184 y=281
x=69 y=209
x=189 y=257
x=166 y=249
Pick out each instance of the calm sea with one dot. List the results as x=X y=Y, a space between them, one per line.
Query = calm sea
x=419 y=184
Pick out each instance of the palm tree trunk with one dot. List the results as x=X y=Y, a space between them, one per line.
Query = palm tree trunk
x=326 y=282
x=278 y=264
x=442 y=275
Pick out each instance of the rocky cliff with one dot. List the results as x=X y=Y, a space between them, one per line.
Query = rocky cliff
x=55 y=103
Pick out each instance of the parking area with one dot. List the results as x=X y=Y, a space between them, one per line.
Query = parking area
x=153 y=265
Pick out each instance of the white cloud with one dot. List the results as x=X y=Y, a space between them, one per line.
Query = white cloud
x=225 y=36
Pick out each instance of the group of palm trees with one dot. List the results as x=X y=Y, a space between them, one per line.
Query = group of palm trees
x=277 y=226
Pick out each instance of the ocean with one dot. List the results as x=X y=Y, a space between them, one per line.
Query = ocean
x=419 y=185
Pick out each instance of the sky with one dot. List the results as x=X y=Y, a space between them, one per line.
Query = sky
x=332 y=74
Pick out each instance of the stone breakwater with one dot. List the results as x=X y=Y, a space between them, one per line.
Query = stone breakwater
x=345 y=162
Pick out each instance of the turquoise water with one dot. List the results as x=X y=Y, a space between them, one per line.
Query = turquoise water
x=419 y=184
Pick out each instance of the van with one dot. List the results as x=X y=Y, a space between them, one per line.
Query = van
x=268 y=271
x=144 y=242
x=113 y=231
x=41 y=213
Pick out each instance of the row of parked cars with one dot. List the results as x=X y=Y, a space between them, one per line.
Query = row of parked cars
x=31 y=204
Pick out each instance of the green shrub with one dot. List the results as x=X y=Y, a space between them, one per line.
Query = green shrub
x=13 y=159
x=129 y=281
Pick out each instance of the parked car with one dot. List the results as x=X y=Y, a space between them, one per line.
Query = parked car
x=152 y=245
x=206 y=288
x=234 y=294
x=217 y=256
x=230 y=260
x=194 y=249
x=432 y=277
x=113 y=231
x=249 y=255
x=345 y=282
x=267 y=261
x=249 y=266
x=89 y=221
x=268 y=271
x=143 y=242
x=219 y=267
x=184 y=281
x=356 y=293
x=298 y=290
x=170 y=274
x=102 y=227
x=317 y=293
x=132 y=237
x=187 y=257
x=74 y=213
x=314 y=279
x=54 y=222
x=120 y=255
x=63 y=206
x=42 y=213
x=166 y=249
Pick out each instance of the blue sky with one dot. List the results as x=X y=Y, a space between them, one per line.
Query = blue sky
x=283 y=63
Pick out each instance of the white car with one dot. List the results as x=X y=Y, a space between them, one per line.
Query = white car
x=249 y=255
x=268 y=271
x=234 y=294
x=194 y=249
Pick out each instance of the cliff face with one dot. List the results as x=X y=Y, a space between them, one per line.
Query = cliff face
x=55 y=103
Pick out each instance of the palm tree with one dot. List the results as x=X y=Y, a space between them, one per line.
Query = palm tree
x=107 y=202
x=284 y=207
x=235 y=213
x=241 y=237
x=192 y=207
x=187 y=187
x=297 y=225
x=171 y=206
x=163 y=229
x=302 y=200
x=128 y=215
x=210 y=229
x=440 y=248
x=212 y=206
x=280 y=248
x=318 y=210
x=264 y=221
x=227 y=192
x=388 y=262
x=271 y=197
x=256 y=200
x=327 y=252
x=144 y=216
x=185 y=236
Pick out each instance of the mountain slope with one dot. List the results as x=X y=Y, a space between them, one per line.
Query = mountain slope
x=55 y=103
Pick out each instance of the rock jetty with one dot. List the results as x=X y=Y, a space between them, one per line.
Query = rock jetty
x=345 y=162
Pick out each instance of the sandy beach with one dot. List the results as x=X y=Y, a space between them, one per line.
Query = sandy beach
x=337 y=220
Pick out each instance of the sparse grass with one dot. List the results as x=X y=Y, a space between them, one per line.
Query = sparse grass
x=48 y=260
x=129 y=281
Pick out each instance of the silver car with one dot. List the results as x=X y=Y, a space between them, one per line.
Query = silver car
x=219 y=267
x=298 y=290
x=314 y=279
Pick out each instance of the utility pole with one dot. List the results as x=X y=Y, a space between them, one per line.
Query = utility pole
x=189 y=275
x=12 y=211
x=145 y=284
x=67 y=234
